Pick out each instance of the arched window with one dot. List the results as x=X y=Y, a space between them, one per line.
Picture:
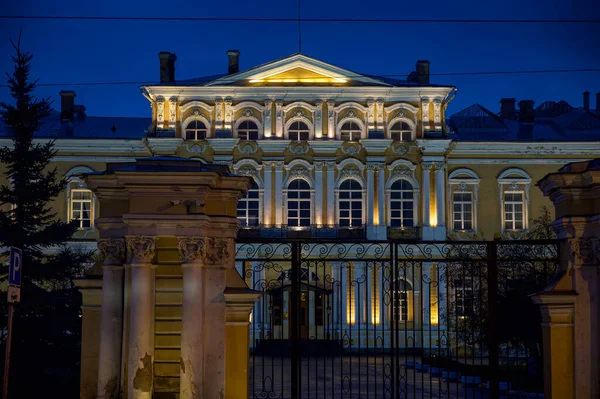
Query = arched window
x=196 y=130
x=350 y=213
x=402 y=291
x=401 y=131
x=248 y=207
x=401 y=204
x=81 y=200
x=298 y=203
x=350 y=131
x=247 y=130
x=298 y=131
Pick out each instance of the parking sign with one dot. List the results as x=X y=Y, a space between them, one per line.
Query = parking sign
x=16 y=259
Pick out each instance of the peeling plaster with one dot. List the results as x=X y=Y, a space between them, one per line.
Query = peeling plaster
x=143 y=376
x=111 y=388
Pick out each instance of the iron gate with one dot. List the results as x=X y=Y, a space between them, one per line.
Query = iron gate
x=389 y=319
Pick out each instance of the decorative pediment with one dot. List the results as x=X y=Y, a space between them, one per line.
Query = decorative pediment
x=297 y=68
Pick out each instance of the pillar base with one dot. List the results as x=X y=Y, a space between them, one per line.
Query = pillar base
x=439 y=233
x=376 y=232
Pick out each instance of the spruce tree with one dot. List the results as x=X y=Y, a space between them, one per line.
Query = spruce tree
x=46 y=330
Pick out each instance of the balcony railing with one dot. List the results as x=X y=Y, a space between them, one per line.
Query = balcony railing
x=313 y=231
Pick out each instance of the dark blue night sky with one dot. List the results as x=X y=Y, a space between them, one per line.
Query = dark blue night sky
x=84 y=51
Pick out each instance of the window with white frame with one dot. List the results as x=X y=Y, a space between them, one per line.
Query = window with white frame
x=400 y=299
x=463 y=210
x=463 y=297
x=81 y=208
x=402 y=204
x=298 y=203
x=196 y=130
x=514 y=216
x=248 y=207
x=298 y=131
x=247 y=130
x=350 y=131
x=401 y=131
x=350 y=213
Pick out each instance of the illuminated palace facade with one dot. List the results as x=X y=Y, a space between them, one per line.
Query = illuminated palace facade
x=334 y=154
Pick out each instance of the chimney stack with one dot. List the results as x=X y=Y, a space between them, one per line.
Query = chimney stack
x=507 y=108
x=167 y=66
x=526 y=111
x=67 y=104
x=586 y=100
x=423 y=72
x=233 y=61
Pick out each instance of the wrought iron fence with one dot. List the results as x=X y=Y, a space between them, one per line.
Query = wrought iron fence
x=395 y=319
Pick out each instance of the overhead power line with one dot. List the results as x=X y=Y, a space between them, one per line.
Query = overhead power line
x=313 y=20
x=472 y=73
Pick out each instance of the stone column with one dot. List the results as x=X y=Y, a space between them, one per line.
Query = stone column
x=370 y=194
x=318 y=204
x=440 y=200
x=425 y=181
x=268 y=190
x=330 y=170
x=140 y=370
x=278 y=193
x=267 y=119
x=279 y=119
x=425 y=114
x=331 y=120
x=111 y=319
x=318 y=120
x=192 y=251
x=381 y=195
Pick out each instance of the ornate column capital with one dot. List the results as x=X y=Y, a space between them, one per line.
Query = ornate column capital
x=375 y=166
x=427 y=165
x=278 y=164
x=439 y=165
x=205 y=251
x=191 y=249
x=585 y=250
x=318 y=166
x=330 y=165
x=112 y=251
x=140 y=249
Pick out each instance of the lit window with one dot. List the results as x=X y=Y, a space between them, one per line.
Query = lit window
x=248 y=207
x=513 y=211
x=298 y=131
x=298 y=204
x=195 y=130
x=400 y=298
x=81 y=208
x=247 y=130
x=463 y=210
x=401 y=204
x=350 y=131
x=350 y=204
x=401 y=131
x=463 y=296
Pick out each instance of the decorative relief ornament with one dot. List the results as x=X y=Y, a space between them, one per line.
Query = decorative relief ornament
x=160 y=110
x=349 y=172
x=330 y=165
x=247 y=149
x=584 y=250
x=427 y=165
x=196 y=112
x=191 y=248
x=298 y=148
x=462 y=186
x=351 y=113
x=112 y=250
x=140 y=249
x=81 y=184
x=247 y=171
x=439 y=165
x=401 y=148
x=318 y=164
x=196 y=148
x=217 y=251
x=401 y=114
x=331 y=111
x=401 y=172
x=513 y=186
x=352 y=150
x=248 y=112
x=299 y=113
x=299 y=171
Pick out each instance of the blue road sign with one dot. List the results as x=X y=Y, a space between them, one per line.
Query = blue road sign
x=16 y=259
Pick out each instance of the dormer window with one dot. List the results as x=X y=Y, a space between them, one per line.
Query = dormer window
x=350 y=131
x=247 y=130
x=195 y=130
x=298 y=131
x=401 y=131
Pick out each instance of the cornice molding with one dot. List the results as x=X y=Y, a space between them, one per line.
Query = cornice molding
x=590 y=149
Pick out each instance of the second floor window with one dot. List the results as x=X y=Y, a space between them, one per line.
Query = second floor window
x=513 y=211
x=350 y=204
x=463 y=296
x=350 y=131
x=195 y=130
x=247 y=130
x=463 y=210
x=401 y=204
x=401 y=131
x=248 y=207
x=81 y=208
x=298 y=131
x=298 y=204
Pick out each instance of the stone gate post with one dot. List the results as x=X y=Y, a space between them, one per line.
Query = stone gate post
x=570 y=307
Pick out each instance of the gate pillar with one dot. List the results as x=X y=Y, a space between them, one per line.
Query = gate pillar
x=575 y=192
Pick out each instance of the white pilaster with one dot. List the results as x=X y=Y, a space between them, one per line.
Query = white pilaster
x=440 y=200
x=267 y=129
x=160 y=112
x=370 y=194
x=427 y=231
x=172 y=112
x=218 y=113
x=330 y=170
x=425 y=113
x=268 y=190
x=437 y=114
x=318 y=114
x=278 y=193
x=331 y=119
x=318 y=204
x=381 y=195
x=370 y=116
x=279 y=119
x=379 y=113
x=228 y=118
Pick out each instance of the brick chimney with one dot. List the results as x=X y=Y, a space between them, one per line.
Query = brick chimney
x=423 y=72
x=167 y=66
x=233 y=58
x=526 y=119
x=507 y=108
x=67 y=104
x=586 y=100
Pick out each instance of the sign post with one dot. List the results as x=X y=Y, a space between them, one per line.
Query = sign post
x=14 y=296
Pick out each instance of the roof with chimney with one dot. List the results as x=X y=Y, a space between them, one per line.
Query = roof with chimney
x=550 y=121
x=301 y=70
x=83 y=126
